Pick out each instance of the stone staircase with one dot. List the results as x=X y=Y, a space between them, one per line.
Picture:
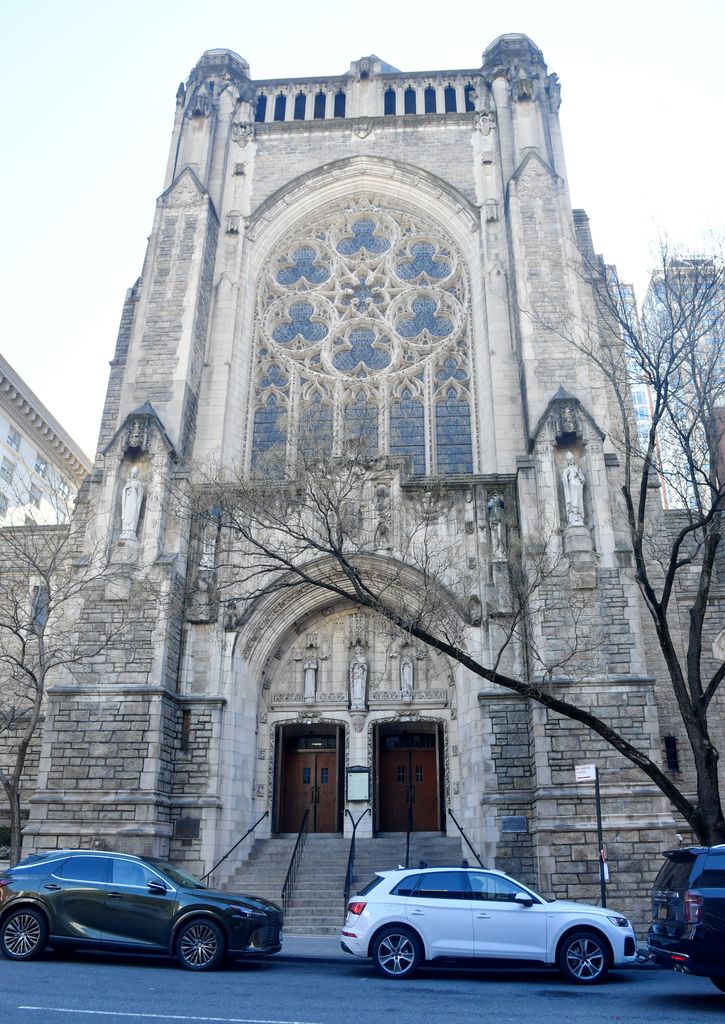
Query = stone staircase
x=316 y=907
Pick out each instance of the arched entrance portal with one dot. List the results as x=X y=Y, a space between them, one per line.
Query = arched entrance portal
x=310 y=777
x=409 y=777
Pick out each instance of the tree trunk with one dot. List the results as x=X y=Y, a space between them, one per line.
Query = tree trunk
x=712 y=830
x=16 y=838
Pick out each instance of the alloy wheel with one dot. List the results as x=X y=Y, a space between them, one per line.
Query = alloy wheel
x=199 y=946
x=396 y=954
x=585 y=959
x=22 y=935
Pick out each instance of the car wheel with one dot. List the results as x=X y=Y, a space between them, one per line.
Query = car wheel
x=200 y=945
x=396 y=953
x=583 y=958
x=719 y=982
x=24 y=934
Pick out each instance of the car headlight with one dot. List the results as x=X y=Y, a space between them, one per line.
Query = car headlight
x=621 y=922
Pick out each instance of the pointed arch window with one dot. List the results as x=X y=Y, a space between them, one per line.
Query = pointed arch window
x=339 y=110
x=429 y=100
x=261 y=110
x=320 y=101
x=280 y=107
x=449 y=99
x=409 y=100
x=389 y=100
x=300 y=106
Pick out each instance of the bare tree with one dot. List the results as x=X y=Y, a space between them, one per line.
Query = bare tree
x=47 y=573
x=326 y=521
x=672 y=361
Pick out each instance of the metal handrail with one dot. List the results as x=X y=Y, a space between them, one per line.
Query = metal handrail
x=466 y=839
x=233 y=848
x=349 y=873
x=291 y=875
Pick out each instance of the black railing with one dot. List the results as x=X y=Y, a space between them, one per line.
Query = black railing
x=350 y=872
x=289 y=882
x=233 y=848
x=466 y=839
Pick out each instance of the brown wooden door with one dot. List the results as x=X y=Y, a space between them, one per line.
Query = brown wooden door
x=408 y=790
x=310 y=784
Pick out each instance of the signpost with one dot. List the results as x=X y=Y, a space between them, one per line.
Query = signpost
x=590 y=773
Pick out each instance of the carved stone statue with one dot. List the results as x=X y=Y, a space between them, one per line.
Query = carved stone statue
x=131 y=500
x=383 y=508
x=358 y=679
x=407 y=677
x=310 y=679
x=573 y=481
x=496 y=506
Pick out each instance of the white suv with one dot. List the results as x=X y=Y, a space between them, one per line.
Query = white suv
x=405 y=917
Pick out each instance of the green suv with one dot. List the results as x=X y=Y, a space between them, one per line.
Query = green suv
x=97 y=899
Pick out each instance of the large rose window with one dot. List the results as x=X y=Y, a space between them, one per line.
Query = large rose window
x=362 y=330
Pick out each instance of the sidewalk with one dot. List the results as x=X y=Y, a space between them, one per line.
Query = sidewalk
x=312 y=947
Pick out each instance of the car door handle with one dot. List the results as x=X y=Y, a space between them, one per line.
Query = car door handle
x=115 y=895
x=482 y=915
x=419 y=913
x=52 y=887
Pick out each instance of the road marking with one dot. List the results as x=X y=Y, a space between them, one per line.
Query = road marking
x=164 y=1016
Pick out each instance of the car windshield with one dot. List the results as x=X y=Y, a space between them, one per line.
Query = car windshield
x=178 y=876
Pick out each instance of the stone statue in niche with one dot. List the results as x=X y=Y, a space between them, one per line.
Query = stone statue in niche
x=131 y=501
x=407 y=677
x=310 y=678
x=496 y=507
x=358 y=680
x=573 y=481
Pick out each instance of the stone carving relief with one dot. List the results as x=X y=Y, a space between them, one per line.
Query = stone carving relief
x=496 y=509
x=242 y=132
x=484 y=121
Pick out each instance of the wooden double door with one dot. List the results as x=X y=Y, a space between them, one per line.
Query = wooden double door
x=408 y=784
x=310 y=782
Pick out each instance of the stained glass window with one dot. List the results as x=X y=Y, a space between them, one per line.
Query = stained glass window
x=362 y=333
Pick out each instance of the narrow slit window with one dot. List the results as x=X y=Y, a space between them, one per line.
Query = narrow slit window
x=261 y=111
x=429 y=100
x=389 y=101
x=300 y=106
x=671 y=755
x=469 y=93
x=339 y=104
x=185 y=730
x=409 y=98
x=449 y=98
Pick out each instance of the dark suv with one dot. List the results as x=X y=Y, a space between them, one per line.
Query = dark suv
x=79 y=898
x=688 y=912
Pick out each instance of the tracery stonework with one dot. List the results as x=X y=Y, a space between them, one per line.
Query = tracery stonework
x=362 y=319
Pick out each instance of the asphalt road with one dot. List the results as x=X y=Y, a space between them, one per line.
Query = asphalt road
x=119 y=989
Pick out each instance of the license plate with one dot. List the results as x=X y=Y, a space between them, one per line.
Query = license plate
x=662 y=912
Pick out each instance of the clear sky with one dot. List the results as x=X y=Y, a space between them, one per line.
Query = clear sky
x=88 y=104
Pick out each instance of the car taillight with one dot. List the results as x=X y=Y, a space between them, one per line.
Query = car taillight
x=356 y=908
x=693 y=906
x=4 y=881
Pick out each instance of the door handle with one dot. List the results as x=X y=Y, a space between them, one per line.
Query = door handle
x=52 y=887
x=482 y=915
x=115 y=895
x=418 y=913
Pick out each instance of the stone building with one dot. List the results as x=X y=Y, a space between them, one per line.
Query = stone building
x=41 y=466
x=384 y=250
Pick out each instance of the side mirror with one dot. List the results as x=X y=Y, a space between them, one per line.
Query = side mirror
x=524 y=899
x=156 y=887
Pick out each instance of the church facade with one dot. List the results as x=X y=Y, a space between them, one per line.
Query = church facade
x=382 y=250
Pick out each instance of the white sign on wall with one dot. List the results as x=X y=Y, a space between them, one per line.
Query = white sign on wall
x=585 y=772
